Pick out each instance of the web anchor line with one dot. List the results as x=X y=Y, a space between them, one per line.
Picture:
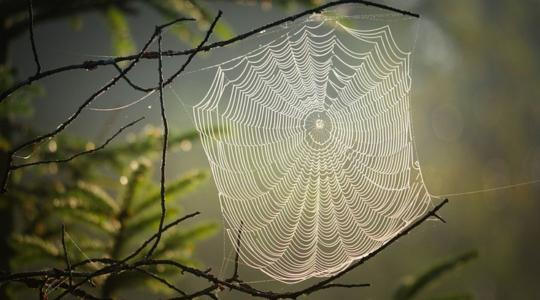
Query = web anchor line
x=487 y=190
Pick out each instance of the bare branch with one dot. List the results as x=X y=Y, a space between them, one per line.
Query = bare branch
x=162 y=280
x=439 y=218
x=164 y=117
x=165 y=228
x=91 y=151
x=209 y=291
x=66 y=255
x=117 y=266
x=165 y=125
x=131 y=83
x=341 y=285
x=235 y=277
x=32 y=39
x=110 y=261
x=79 y=110
x=216 y=284
x=40 y=284
x=51 y=273
x=355 y=265
x=93 y=64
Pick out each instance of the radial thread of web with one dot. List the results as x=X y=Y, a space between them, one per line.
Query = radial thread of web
x=315 y=159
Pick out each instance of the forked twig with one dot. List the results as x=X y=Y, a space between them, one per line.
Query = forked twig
x=86 y=152
x=164 y=121
x=93 y=64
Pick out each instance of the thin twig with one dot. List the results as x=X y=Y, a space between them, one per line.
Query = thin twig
x=41 y=283
x=359 y=262
x=42 y=292
x=165 y=125
x=341 y=285
x=439 y=218
x=131 y=83
x=162 y=280
x=204 y=292
x=164 y=118
x=117 y=265
x=153 y=237
x=216 y=283
x=235 y=277
x=93 y=64
x=110 y=261
x=198 y=49
x=51 y=273
x=66 y=255
x=32 y=39
x=91 y=151
x=79 y=110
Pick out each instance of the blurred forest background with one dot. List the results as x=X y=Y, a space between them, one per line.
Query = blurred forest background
x=476 y=81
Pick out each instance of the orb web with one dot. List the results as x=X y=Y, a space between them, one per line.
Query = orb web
x=315 y=163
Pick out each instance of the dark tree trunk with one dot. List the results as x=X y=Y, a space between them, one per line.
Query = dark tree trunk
x=6 y=206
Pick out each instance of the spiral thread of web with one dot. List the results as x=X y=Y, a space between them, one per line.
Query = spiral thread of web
x=315 y=160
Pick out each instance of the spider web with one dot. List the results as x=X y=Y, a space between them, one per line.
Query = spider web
x=315 y=163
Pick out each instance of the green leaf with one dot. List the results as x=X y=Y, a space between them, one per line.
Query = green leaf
x=174 y=9
x=105 y=224
x=34 y=242
x=31 y=249
x=121 y=40
x=410 y=289
x=174 y=189
x=96 y=198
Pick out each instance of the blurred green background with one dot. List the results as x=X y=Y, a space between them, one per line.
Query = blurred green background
x=476 y=81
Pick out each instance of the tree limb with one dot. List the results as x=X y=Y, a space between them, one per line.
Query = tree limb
x=216 y=284
x=74 y=156
x=93 y=64
x=164 y=122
